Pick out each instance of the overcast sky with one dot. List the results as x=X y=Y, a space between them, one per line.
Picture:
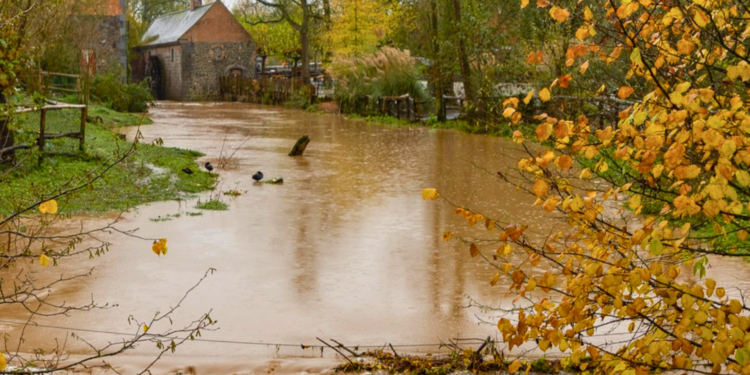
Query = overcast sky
x=229 y=3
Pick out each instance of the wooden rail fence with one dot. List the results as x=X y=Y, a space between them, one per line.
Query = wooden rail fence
x=43 y=134
x=269 y=90
x=50 y=82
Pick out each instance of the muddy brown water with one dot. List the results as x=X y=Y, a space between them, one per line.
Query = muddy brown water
x=345 y=249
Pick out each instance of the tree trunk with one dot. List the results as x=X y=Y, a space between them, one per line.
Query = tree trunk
x=462 y=56
x=327 y=14
x=436 y=71
x=6 y=136
x=305 y=41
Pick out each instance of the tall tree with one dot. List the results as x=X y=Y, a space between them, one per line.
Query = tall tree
x=361 y=25
x=148 y=10
x=301 y=15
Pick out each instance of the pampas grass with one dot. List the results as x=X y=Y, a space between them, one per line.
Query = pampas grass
x=386 y=72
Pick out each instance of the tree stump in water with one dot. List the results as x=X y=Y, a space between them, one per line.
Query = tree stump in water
x=300 y=146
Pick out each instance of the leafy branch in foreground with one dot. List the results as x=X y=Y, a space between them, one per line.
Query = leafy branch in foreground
x=608 y=290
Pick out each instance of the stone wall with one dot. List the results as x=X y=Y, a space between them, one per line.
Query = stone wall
x=205 y=62
x=110 y=44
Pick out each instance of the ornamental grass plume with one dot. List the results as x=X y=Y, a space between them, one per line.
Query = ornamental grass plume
x=386 y=72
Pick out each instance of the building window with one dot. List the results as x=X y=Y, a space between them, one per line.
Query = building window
x=172 y=50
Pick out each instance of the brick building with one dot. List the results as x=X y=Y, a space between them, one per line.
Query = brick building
x=103 y=34
x=186 y=52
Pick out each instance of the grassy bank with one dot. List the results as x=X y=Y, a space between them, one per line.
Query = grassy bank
x=147 y=173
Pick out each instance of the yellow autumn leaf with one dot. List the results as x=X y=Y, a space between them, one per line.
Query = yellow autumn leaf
x=447 y=236
x=506 y=249
x=528 y=97
x=145 y=328
x=508 y=112
x=429 y=193
x=584 y=67
x=516 y=117
x=634 y=202
x=545 y=95
x=588 y=15
x=582 y=33
x=3 y=364
x=514 y=366
x=48 y=207
x=495 y=279
x=44 y=260
x=163 y=243
x=531 y=285
x=701 y=19
x=524 y=3
x=156 y=248
x=543 y=131
x=743 y=178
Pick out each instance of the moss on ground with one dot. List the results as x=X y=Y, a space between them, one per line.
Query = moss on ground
x=151 y=173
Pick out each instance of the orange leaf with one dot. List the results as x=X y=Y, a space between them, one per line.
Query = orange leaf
x=473 y=250
x=564 y=162
x=565 y=80
x=624 y=92
x=559 y=14
x=540 y=188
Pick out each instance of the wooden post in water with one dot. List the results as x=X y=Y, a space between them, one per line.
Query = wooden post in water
x=82 y=142
x=300 y=146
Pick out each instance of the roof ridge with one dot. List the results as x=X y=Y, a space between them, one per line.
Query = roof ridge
x=185 y=10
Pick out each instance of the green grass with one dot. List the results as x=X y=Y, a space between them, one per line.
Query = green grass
x=212 y=205
x=497 y=130
x=152 y=173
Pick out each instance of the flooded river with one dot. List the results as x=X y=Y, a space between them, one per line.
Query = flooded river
x=345 y=249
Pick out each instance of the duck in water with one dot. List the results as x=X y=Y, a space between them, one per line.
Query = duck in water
x=258 y=176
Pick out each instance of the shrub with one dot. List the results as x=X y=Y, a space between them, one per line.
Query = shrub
x=132 y=97
x=387 y=72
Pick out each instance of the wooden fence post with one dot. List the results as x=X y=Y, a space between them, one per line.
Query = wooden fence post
x=82 y=144
x=42 y=126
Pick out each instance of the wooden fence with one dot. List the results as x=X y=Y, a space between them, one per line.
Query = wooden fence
x=267 y=90
x=43 y=134
x=61 y=83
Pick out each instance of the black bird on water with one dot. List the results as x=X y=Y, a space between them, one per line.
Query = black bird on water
x=258 y=176
x=187 y=170
x=209 y=167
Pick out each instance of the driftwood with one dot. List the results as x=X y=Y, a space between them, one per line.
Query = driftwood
x=300 y=146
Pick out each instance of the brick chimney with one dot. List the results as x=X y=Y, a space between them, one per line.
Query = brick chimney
x=195 y=3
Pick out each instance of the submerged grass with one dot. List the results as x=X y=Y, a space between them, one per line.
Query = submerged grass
x=496 y=130
x=151 y=173
x=212 y=205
